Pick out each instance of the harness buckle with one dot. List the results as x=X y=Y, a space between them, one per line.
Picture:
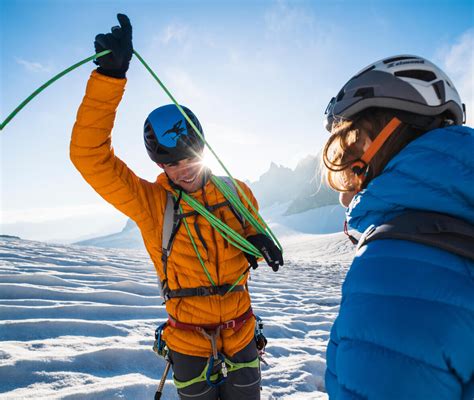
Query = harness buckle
x=229 y=324
x=224 y=369
x=203 y=291
x=212 y=290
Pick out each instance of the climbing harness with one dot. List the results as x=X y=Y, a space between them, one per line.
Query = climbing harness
x=234 y=324
x=217 y=360
x=218 y=366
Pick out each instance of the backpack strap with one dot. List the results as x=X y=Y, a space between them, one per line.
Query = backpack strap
x=433 y=229
x=171 y=224
x=221 y=290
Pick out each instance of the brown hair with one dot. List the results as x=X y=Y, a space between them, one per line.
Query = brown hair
x=346 y=145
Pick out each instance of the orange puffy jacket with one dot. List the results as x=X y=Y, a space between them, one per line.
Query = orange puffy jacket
x=144 y=202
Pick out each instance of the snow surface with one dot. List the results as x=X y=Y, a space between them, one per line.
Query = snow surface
x=78 y=322
x=322 y=220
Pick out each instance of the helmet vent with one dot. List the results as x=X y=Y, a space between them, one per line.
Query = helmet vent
x=161 y=150
x=340 y=95
x=364 y=92
x=419 y=74
x=394 y=59
x=147 y=126
x=440 y=90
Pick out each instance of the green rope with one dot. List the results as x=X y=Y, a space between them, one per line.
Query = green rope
x=238 y=280
x=230 y=195
x=44 y=86
x=258 y=224
x=228 y=233
x=203 y=264
x=201 y=261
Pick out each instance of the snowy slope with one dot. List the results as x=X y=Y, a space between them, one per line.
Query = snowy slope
x=129 y=238
x=78 y=322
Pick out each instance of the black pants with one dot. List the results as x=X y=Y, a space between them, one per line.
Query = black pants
x=241 y=384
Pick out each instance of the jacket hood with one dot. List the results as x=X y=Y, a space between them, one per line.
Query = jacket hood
x=434 y=173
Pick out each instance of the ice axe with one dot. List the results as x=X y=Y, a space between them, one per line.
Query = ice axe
x=159 y=391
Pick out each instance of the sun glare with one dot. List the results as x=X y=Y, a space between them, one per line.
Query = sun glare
x=209 y=161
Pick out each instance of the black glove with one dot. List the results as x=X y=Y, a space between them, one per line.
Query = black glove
x=270 y=252
x=115 y=64
x=252 y=260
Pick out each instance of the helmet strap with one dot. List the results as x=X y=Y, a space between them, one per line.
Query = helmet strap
x=360 y=167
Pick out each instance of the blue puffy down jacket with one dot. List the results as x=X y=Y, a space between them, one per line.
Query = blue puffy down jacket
x=405 y=328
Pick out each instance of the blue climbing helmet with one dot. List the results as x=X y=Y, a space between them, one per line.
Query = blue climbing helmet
x=169 y=137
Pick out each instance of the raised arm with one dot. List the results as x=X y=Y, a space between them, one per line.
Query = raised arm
x=91 y=147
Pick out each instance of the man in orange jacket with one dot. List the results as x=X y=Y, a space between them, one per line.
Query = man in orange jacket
x=208 y=323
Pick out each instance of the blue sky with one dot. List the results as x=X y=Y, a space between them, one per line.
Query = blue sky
x=258 y=74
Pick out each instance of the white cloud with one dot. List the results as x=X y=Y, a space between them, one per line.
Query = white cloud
x=289 y=22
x=180 y=82
x=33 y=66
x=457 y=61
x=285 y=18
x=174 y=31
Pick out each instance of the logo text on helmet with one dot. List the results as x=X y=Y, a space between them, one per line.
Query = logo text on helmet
x=396 y=64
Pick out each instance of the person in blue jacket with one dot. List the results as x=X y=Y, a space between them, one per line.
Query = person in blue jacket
x=405 y=328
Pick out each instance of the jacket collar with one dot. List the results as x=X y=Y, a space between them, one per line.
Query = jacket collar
x=170 y=186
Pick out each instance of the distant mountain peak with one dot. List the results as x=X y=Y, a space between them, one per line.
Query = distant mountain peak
x=129 y=226
x=276 y=167
x=301 y=187
x=309 y=160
